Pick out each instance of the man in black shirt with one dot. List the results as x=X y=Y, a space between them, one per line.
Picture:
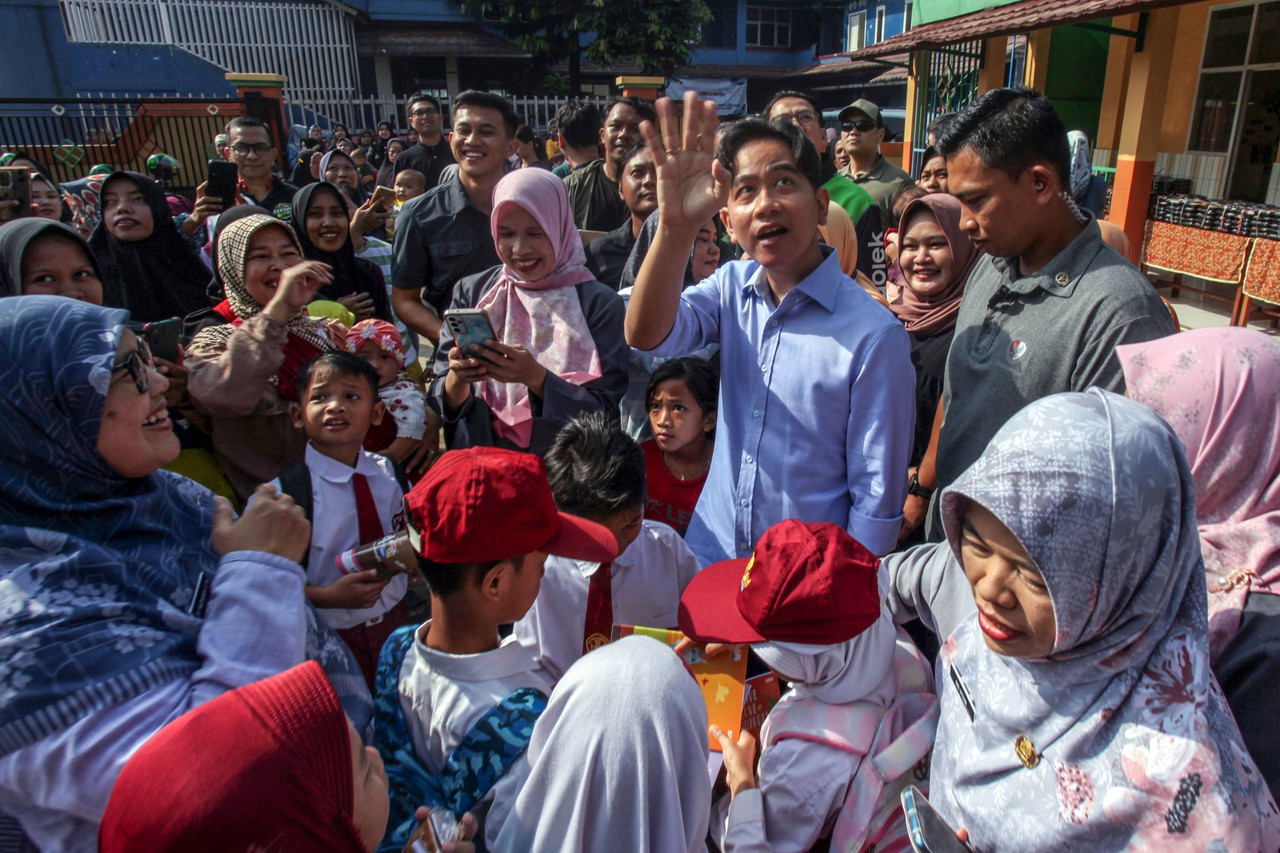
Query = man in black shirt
x=593 y=189
x=607 y=255
x=254 y=153
x=430 y=154
x=444 y=235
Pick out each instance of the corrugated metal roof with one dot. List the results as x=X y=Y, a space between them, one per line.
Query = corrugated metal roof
x=434 y=40
x=1015 y=18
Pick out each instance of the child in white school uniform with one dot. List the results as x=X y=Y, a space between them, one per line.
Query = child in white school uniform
x=351 y=497
x=858 y=723
x=454 y=703
x=598 y=472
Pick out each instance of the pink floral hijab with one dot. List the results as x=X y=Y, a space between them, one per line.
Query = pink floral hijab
x=1120 y=738
x=544 y=316
x=1220 y=391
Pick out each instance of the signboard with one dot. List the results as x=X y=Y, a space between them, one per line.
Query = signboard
x=730 y=95
x=928 y=11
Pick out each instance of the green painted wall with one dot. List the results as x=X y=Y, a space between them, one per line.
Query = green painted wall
x=1077 y=72
x=928 y=11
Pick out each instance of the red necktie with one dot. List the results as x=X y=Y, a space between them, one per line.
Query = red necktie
x=599 y=627
x=366 y=510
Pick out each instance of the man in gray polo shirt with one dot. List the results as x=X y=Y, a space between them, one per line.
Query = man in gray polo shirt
x=1044 y=311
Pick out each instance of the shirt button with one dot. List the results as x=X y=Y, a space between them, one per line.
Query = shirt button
x=743 y=502
x=764 y=368
x=773 y=323
x=756 y=413
x=748 y=460
x=1062 y=279
x=745 y=545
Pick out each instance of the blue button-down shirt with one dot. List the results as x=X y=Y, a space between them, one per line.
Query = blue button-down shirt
x=817 y=407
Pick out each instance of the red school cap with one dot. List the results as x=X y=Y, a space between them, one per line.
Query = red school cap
x=805 y=583
x=485 y=504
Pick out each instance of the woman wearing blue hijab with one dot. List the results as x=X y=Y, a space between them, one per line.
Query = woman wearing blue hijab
x=128 y=594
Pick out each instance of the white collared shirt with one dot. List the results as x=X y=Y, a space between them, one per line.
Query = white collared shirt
x=335 y=526
x=442 y=696
x=647 y=581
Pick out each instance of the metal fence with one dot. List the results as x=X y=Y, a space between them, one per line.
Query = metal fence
x=951 y=83
x=360 y=113
x=72 y=135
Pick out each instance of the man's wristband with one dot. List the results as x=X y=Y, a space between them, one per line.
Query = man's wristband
x=919 y=491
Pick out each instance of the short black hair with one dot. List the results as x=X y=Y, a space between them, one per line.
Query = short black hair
x=343 y=363
x=445 y=579
x=632 y=150
x=1011 y=130
x=638 y=104
x=698 y=374
x=524 y=133
x=250 y=121
x=803 y=154
x=579 y=122
x=595 y=469
x=415 y=98
x=938 y=125
x=792 y=93
x=476 y=98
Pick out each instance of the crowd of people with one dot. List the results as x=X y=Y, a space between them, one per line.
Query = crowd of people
x=323 y=501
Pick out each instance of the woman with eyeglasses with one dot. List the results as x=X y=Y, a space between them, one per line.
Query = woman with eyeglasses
x=147 y=267
x=132 y=595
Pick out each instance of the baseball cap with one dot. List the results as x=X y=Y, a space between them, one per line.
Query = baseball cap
x=485 y=504
x=805 y=583
x=862 y=105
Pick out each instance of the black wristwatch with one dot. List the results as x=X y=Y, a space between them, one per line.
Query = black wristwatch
x=914 y=488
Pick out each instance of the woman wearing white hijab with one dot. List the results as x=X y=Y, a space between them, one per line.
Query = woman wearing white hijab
x=618 y=760
x=1078 y=708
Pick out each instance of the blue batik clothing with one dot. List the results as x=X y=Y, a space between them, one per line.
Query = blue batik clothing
x=816 y=407
x=486 y=752
x=442 y=696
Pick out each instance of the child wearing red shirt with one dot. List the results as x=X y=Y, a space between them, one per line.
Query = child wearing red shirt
x=681 y=400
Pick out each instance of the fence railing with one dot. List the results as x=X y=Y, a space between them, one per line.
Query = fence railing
x=70 y=136
x=360 y=113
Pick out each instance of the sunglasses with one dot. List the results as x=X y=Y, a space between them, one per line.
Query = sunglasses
x=138 y=363
x=862 y=125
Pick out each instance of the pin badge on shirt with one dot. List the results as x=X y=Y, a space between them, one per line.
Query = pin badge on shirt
x=1017 y=350
x=963 y=691
x=1026 y=752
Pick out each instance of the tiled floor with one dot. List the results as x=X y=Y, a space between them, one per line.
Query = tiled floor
x=1196 y=311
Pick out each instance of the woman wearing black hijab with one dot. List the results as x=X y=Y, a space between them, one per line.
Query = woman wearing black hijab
x=147 y=267
x=321 y=219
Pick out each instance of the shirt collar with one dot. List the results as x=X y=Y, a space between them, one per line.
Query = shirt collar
x=458 y=198
x=333 y=471
x=1060 y=276
x=508 y=659
x=822 y=285
x=872 y=174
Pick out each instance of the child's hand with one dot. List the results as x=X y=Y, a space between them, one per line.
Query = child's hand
x=739 y=760
x=355 y=591
x=272 y=523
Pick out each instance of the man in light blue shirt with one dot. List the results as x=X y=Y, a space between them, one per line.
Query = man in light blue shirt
x=817 y=389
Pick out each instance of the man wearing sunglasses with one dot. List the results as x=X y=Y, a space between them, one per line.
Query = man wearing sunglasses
x=863 y=131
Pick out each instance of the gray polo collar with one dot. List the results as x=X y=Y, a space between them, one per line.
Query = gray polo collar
x=1060 y=276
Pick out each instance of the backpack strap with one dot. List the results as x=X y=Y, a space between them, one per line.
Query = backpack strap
x=402 y=477
x=485 y=754
x=295 y=481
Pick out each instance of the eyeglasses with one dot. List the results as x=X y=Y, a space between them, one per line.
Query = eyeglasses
x=138 y=363
x=862 y=125
x=244 y=149
x=425 y=113
x=804 y=118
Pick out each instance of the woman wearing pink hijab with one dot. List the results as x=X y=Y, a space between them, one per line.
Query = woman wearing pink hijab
x=560 y=351
x=1219 y=389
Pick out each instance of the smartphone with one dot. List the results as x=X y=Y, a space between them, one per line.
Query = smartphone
x=469 y=327
x=15 y=185
x=440 y=827
x=222 y=179
x=926 y=829
x=162 y=337
x=384 y=198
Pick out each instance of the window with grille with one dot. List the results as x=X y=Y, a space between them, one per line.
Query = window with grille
x=768 y=26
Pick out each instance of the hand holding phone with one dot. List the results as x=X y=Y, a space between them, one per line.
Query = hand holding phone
x=926 y=829
x=384 y=198
x=470 y=327
x=162 y=337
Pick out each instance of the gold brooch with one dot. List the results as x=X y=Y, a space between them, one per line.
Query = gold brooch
x=1026 y=751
